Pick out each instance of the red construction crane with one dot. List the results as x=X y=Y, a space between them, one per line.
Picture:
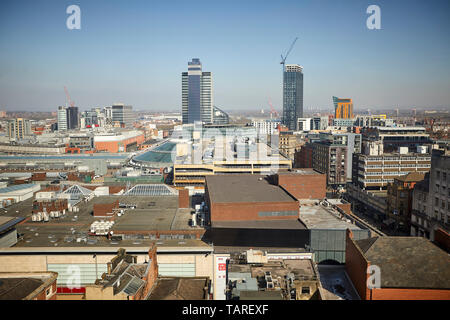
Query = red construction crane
x=272 y=110
x=71 y=103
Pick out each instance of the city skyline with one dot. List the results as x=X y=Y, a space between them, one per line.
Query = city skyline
x=135 y=53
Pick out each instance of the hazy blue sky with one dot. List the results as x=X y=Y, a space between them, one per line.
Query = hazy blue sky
x=134 y=52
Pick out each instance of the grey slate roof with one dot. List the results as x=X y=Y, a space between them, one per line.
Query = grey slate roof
x=408 y=262
x=244 y=188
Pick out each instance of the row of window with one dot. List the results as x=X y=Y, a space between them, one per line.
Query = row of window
x=397 y=159
x=443 y=202
x=397 y=166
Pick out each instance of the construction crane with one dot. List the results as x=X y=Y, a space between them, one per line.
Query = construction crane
x=283 y=59
x=72 y=104
x=272 y=110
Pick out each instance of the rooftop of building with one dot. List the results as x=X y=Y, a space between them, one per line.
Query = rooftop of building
x=303 y=171
x=424 y=184
x=244 y=188
x=8 y=222
x=159 y=213
x=260 y=295
x=317 y=216
x=396 y=154
x=407 y=262
x=411 y=177
x=268 y=274
x=23 y=285
x=126 y=275
x=103 y=245
x=399 y=128
x=17 y=187
x=176 y=288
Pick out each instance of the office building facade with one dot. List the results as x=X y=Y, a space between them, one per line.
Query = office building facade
x=197 y=94
x=375 y=172
x=292 y=95
x=122 y=115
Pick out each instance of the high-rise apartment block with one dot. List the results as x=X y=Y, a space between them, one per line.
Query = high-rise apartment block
x=19 y=128
x=292 y=95
x=343 y=108
x=72 y=118
x=197 y=94
x=331 y=159
x=62 y=118
x=68 y=118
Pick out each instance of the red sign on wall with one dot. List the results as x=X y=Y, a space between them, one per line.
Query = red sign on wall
x=222 y=266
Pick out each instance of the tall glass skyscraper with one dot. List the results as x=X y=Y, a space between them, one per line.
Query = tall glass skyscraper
x=292 y=95
x=197 y=97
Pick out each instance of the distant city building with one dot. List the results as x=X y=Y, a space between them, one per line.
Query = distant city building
x=304 y=124
x=122 y=115
x=220 y=116
x=374 y=121
x=343 y=122
x=126 y=141
x=72 y=118
x=395 y=137
x=343 y=108
x=292 y=95
x=62 y=118
x=319 y=123
x=89 y=119
x=19 y=128
x=68 y=118
x=197 y=94
x=268 y=126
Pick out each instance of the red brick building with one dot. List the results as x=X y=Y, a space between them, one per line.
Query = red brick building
x=183 y=198
x=303 y=158
x=442 y=239
x=303 y=184
x=411 y=268
x=248 y=197
x=28 y=285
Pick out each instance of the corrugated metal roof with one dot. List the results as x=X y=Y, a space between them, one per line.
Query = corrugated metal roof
x=8 y=224
x=17 y=187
